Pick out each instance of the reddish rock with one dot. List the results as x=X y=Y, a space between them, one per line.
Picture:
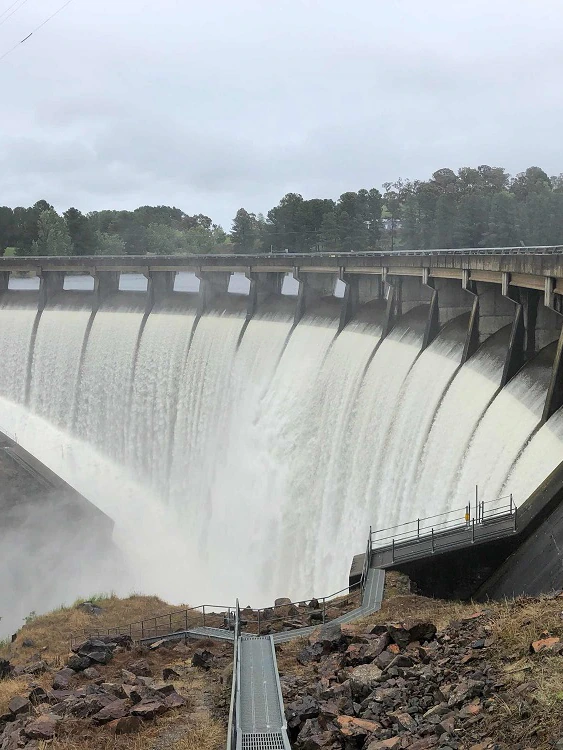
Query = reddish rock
x=391 y=744
x=42 y=728
x=140 y=668
x=544 y=644
x=350 y=726
x=149 y=708
x=127 y=725
x=404 y=720
x=19 y=706
x=115 y=710
x=174 y=700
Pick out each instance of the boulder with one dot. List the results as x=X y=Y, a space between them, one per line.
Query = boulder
x=544 y=644
x=369 y=674
x=128 y=677
x=19 y=706
x=329 y=636
x=6 y=669
x=117 y=709
x=38 y=695
x=282 y=602
x=174 y=700
x=202 y=658
x=61 y=680
x=36 y=668
x=351 y=726
x=403 y=720
x=78 y=663
x=297 y=712
x=127 y=725
x=149 y=708
x=170 y=674
x=42 y=728
x=90 y=608
x=92 y=673
x=140 y=668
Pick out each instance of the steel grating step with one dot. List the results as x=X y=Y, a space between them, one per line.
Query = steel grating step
x=263 y=741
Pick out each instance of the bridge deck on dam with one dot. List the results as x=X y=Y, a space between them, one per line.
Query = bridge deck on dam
x=456 y=538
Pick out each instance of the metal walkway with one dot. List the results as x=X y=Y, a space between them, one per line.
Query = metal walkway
x=260 y=716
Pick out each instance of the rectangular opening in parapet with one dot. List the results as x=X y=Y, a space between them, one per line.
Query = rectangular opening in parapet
x=186 y=281
x=78 y=282
x=132 y=282
x=290 y=286
x=23 y=282
x=239 y=284
x=339 y=288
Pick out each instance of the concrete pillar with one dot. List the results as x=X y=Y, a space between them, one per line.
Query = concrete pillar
x=159 y=285
x=516 y=355
x=213 y=284
x=50 y=283
x=4 y=280
x=433 y=321
x=393 y=310
x=105 y=284
x=472 y=340
x=554 y=397
x=312 y=286
x=262 y=285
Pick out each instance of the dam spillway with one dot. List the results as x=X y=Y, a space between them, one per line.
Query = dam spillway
x=248 y=457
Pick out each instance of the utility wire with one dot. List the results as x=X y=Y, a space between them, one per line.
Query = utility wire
x=3 y=21
x=46 y=21
x=9 y=8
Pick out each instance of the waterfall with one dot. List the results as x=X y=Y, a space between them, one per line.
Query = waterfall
x=249 y=458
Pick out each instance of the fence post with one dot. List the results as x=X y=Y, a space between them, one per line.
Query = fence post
x=142 y=628
x=393 y=549
x=515 y=518
x=258 y=622
x=432 y=537
x=477 y=502
x=511 y=503
x=170 y=625
x=473 y=531
x=204 y=615
x=155 y=627
x=418 y=528
x=324 y=610
x=186 y=618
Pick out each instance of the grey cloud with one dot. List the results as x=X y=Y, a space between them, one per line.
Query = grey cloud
x=215 y=106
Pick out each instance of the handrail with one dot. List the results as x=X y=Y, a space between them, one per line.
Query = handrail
x=149 y=627
x=484 y=512
x=233 y=711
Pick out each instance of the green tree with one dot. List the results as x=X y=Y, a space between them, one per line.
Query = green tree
x=503 y=222
x=52 y=235
x=109 y=244
x=445 y=221
x=245 y=232
x=472 y=220
x=80 y=231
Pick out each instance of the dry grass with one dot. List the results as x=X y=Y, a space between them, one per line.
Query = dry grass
x=533 y=711
x=51 y=633
x=9 y=689
x=407 y=606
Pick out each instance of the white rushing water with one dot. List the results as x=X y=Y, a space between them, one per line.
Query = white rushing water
x=250 y=460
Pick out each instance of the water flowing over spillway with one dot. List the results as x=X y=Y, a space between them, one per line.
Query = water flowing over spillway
x=250 y=458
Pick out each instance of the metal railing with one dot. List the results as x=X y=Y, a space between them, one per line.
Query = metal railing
x=234 y=709
x=179 y=621
x=224 y=617
x=433 y=529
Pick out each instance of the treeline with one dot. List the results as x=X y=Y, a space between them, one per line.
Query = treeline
x=162 y=230
x=473 y=207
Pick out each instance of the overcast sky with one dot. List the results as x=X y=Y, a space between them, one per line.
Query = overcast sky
x=215 y=105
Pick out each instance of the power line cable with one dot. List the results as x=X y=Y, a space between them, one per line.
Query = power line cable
x=3 y=21
x=36 y=29
x=9 y=8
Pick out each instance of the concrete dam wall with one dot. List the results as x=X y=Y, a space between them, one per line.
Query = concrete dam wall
x=244 y=443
